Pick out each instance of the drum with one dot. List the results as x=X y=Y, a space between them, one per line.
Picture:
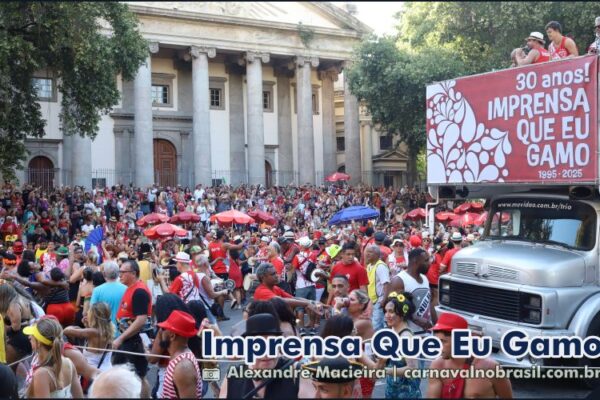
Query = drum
x=230 y=285
x=314 y=277
x=217 y=284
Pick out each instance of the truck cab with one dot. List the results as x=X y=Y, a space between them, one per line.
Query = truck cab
x=535 y=269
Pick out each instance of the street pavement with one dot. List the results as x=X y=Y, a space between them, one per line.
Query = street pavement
x=522 y=388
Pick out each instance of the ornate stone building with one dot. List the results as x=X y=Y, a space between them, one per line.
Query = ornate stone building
x=230 y=92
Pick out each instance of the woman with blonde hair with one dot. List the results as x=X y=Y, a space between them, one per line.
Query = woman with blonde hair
x=98 y=333
x=53 y=375
x=18 y=310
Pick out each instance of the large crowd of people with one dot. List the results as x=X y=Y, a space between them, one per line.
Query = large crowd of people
x=87 y=311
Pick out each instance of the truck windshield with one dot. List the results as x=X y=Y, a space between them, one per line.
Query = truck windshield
x=563 y=222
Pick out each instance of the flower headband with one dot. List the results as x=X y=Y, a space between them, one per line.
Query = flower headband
x=402 y=300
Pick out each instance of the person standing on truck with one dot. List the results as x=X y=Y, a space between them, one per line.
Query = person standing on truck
x=457 y=388
x=414 y=282
x=446 y=263
x=594 y=48
x=537 y=53
x=560 y=46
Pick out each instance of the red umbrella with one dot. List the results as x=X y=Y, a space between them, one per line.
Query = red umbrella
x=227 y=217
x=417 y=213
x=151 y=219
x=184 y=217
x=464 y=219
x=445 y=216
x=164 y=230
x=338 y=176
x=483 y=217
x=263 y=216
x=468 y=207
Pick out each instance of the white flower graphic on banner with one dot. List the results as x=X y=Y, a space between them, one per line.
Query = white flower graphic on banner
x=458 y=148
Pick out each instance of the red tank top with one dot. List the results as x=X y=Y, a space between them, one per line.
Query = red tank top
x=217 y=251
x=126 y=307
x=544 y=56
x=169 y=391
x=561 y=52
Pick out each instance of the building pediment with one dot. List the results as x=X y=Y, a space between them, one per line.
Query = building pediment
x=319 y=15
x=391 y=155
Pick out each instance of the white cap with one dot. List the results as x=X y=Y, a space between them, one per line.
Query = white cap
x=470 y=237
x=425 y=234
x=182 y=257
x=304 y=241
x=536 y=36
x=597 y=23
x=456 y=237
x=265 y=239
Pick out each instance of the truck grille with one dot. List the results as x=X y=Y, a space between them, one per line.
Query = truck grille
x=503 y=273
x=464 y=268
x=491 y=302
x=493 y=272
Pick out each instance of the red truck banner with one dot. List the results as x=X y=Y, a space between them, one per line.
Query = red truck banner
x=534 y=124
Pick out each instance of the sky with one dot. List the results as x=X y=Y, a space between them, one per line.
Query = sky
x=378 y=15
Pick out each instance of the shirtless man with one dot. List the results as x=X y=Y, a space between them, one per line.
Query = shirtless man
x=458 y=387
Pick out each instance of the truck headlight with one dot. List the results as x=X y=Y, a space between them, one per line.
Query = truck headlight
x=535 y=301
x=445 y=299
x=535 y=316
x=444 y=292
x=531 y=308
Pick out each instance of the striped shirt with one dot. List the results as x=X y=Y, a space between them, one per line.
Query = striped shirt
x=169 y=391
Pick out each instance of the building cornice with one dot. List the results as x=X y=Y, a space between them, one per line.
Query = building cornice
x=155 y=116
x=357 y=30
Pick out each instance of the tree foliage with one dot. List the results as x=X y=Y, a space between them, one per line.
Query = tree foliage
x=441 y=40
x=484 y=33
x=392 y=82
x=84 y=45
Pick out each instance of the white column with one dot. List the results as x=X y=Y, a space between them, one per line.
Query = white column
x=352 y=135
x=143 y=132
x=81 y=161
x=285 y=159
x=201 y=114
x=306 y=143
x=329 y=140
x=256 y=135
x=368 y=153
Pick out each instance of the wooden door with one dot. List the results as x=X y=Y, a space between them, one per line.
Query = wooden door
x=41 y=172
x=165 y=163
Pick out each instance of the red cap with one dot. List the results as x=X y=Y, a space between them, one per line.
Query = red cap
x=447 y=322
x=18 y=247
x=181 y=323
x=363 y=229
x=415 y=241
x=317 y=235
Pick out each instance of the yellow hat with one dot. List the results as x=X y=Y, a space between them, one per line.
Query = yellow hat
x=34 y=331
x=333 y=250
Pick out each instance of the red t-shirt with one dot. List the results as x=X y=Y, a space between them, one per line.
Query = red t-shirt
x=278 y=264
x=264 y=293
x=433 y=274
x=356 y=274
x=217 y=251
x=447 y=261
x=178 y=284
